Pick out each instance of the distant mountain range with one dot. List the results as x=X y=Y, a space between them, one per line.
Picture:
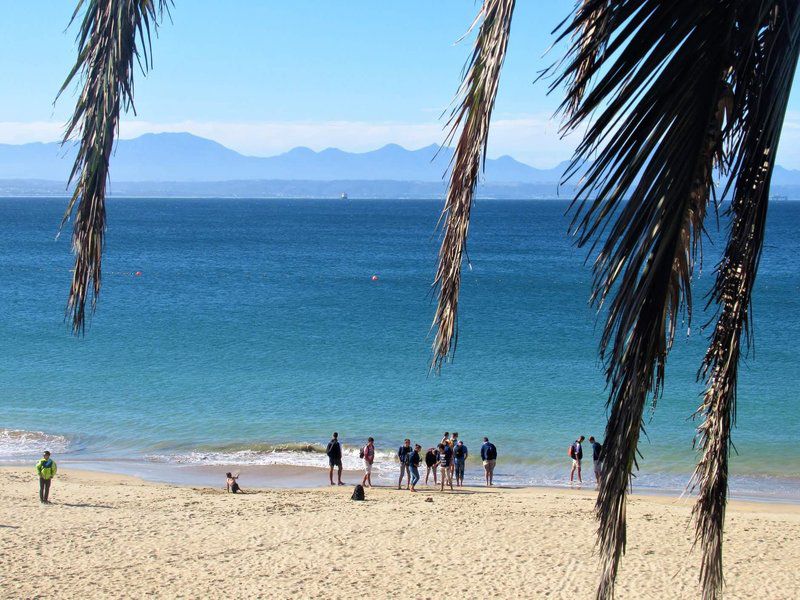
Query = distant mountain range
x=181 y=164
x=182 y=157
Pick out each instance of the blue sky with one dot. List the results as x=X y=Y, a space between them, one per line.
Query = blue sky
x=265 y=76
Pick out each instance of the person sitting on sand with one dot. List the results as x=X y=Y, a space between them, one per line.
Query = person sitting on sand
x=431 y=458
x=576 y=454
x=231 y=485
x=460 y=454
x=404 y=454
x=444 y=466
x=46 y=469
x=489 y=458
x=414 y=466
x=368 y=454
x=334 y=452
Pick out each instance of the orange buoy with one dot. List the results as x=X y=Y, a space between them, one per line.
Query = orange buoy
x=138 y=273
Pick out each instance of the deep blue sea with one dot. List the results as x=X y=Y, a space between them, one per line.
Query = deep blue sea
x=255 y=329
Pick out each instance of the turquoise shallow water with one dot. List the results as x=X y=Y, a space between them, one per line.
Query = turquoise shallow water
x=255 y=323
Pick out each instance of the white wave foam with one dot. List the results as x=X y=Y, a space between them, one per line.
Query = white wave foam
x=15 y=443
x=350 y=459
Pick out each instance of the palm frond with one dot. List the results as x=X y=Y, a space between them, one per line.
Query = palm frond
x=588 y=43
x=770 y=31
x=112 y=36
x=471 y=115
x=662 y=101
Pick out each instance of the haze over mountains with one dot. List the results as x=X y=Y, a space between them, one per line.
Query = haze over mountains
x=185 y=157
x=184 y=164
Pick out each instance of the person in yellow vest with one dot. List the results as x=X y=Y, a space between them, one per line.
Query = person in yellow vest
x=46 y=469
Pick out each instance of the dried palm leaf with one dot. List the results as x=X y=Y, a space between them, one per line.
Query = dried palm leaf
x=770 y=35
x=470 y=116
x=113 y=35
x=589 y=41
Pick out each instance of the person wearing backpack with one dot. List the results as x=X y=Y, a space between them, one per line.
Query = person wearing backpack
x=404 y=455
x=597 y=458
x=575 y=452
x=460 y=454
x=489 y=458
x=46 y=470
x=431 y=460
x=334 y=452
x=368 y=454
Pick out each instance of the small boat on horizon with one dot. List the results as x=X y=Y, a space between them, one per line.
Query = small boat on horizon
x=344 y=195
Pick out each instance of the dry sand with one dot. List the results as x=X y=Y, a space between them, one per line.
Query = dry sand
x=108 y=536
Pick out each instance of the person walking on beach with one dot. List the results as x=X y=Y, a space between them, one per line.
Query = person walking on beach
x=431 y=458
x=444 y=466
x=414 y=466
x=334 y=452
x=368 y=454
x=489 y=458
x=460 y=454
x=404 y=454
x=576 y=454
x=597 y=458
x=46 y=469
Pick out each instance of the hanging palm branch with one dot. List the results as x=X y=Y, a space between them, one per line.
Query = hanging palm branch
x=766 y=74
x=471 y=115
x=675 y=97
x=112 y=36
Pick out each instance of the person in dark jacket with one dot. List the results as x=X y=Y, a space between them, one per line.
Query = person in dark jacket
x=460 y=454
x=334 y=452
x=597 y=458
x=414 y=466
x=489 y=458
x=431 y=458
x=404 y=455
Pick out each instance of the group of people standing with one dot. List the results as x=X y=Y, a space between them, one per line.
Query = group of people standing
x=446 y=461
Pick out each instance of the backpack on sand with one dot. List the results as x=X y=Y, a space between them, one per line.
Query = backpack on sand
x=358 y=493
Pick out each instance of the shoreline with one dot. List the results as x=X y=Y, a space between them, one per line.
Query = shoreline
x=111 y=535
x=296 y=477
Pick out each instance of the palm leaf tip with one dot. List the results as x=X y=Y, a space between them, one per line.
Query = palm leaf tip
x=469 y=119
x=112 y=36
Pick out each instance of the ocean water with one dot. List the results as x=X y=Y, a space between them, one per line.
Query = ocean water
x=255 y=330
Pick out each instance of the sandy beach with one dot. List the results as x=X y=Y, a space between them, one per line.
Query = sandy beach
x=115 y=536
